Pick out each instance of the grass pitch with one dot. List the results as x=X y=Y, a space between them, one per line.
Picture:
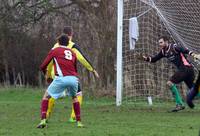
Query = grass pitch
x=19 y=116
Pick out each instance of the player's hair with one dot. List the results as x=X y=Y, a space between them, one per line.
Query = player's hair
x=68 y=30
x=63 y=39
x=165 y=38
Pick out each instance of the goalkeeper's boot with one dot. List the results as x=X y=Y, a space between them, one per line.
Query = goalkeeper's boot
x=178 y=108
x=72 y=120
x=42 y=124
x=79 y=124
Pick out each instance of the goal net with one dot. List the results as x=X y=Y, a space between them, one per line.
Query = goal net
x=178 y=19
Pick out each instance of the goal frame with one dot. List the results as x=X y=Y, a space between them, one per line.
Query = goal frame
x=119 y=52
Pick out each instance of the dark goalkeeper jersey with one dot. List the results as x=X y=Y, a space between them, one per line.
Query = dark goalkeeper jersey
x=175 y=54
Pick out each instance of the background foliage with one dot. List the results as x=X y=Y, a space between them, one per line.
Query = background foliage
x=28 y=29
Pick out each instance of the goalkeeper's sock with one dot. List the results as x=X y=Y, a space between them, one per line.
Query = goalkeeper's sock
x=51 y=104
x=80 y=98
x=77 y=111
x=44 y=107
x=176 y=94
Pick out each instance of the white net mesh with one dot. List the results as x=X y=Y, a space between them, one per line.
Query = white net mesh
x=179 y=19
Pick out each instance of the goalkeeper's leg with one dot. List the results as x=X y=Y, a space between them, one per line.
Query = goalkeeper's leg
x=186 y=75
x=177 y=97
x=193 y=92
x=51 y=104
x=190 y=96
x=176 y=94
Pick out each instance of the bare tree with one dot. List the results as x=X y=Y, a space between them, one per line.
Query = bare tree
x=28 y=29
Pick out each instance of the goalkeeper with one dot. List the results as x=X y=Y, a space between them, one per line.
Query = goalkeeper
x=175 y=54
x=82 y=59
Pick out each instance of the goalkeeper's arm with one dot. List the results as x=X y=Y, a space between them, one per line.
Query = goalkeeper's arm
x=183 y=50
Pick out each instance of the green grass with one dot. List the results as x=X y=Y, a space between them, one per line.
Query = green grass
x=19 y=116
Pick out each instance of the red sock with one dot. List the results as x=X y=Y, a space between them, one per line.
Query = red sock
x=44 y=107
x=77 y=111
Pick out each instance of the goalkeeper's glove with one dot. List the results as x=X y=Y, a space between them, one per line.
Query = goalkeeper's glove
x=196 y=57
x=145 y=58
x=142 y=57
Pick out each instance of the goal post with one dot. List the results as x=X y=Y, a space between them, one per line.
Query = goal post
x=119 y=52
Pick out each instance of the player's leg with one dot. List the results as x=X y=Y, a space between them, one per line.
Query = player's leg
x=72 y=88
x=54 y=90
x=77 y=111
x=50 y=106
x=193 y=92
x=43 y=110
x=72 y=118
x=51 y=100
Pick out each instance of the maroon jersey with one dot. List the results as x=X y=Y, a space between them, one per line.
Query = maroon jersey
x=64 y=61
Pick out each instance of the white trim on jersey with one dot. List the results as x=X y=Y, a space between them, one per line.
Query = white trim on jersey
x=64 y=47
x=58 y=68
x=79 y=93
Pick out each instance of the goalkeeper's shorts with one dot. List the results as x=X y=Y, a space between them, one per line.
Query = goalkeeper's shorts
x=59 y=84
x=185 y=74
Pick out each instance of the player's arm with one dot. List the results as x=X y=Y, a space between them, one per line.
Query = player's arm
x=50 y=68
x=83 y=60
x=50 y=65
x=154 y=58
x=43 y=66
